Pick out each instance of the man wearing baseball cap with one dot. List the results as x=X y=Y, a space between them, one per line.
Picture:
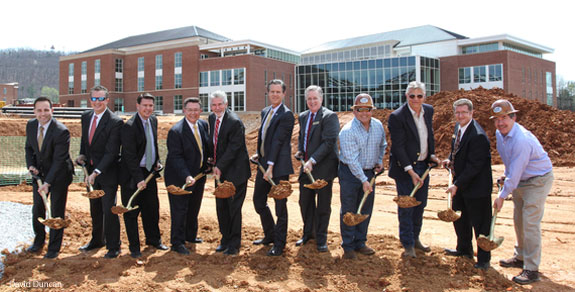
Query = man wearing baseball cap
x=528 y=176
x=362 y=146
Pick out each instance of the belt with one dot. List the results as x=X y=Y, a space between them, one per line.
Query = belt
x=533 y=177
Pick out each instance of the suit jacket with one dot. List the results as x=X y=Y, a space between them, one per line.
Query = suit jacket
x=104 y=151
x=133 y=140
x=405 y=140
x=184 y=157
x=232 y=157
x=472 y=162
x=277 y=144
x=53 y=160
x=322 y=143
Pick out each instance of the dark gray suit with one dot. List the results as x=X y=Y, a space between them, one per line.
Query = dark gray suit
x=322 y=147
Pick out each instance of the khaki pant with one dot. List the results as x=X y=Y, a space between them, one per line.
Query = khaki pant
x=529 y=204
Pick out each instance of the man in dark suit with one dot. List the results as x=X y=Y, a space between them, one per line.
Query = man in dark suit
x=99 y=151
x=470 y=160
x=231 y=163
x=412 y=149
x=140 y=157
x=47 y=156
x=274 y=154
x=188 y=154
x=319 y=129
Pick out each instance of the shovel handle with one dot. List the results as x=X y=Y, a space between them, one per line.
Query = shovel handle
x=147 y=180
x=366 y=194
x=44 y=198
x=197 y=177
x=90 y=188
x=307 y=172
x=264 y=173
x=448 y=193
x=495 y=211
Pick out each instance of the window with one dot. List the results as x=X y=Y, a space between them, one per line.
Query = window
x=159 y=64
x=227 y=77
x=204 y=99
x=141 y=64
x=159 y=82
x=83 y=77
x=119 y=85
x=178 y=60
x=159 y=106
x=215 y=78
x=464 y=75
x=97 y=72
x=549 y=81
x=119 y=65
x=239 y=104
x=239 y=76
x=479 y=74
x=119 y=104
x=178 y=81
x=71 y=78
x=178 y=103
x=495 y=72
x=204 y=79
x=140 y=83
x=83 y=103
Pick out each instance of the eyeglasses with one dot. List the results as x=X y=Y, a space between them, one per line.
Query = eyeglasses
x=98 y=98
x=363 y=109
x=461 y=113
x=420 y=96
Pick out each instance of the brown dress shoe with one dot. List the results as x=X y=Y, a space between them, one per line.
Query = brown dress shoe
x=526 y=277
x=349 y=255
x=365 y=250
x=511 y=263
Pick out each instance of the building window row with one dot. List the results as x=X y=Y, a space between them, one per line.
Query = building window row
x=478 y=74
x=222 y=77
x=517 y=49
x=474 y=49
x=356 y=54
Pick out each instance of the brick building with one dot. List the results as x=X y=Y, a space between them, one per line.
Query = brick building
x=176 y=64
x=9 y=92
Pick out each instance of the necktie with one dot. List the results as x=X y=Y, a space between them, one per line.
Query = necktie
x=93 y=129
x=216 y=138
x=457 y=141
x=149 y=146
x=199 y=141
x=266 y=126
x=307 y=135
x=40 y=138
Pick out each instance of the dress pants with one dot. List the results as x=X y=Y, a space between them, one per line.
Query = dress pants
x=105 y=224
x=411 y=219
x=149 y=206
x=475 y=216
x=184 y=210
x=230 y=217
x=315 y=215
x=57 y=198
x=276 y=231
x=351 y=193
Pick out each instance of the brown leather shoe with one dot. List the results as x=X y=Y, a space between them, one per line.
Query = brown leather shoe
x=365 y=250
x=511 y=263
x=349 y=255
x=421 y=246
x=526 y=277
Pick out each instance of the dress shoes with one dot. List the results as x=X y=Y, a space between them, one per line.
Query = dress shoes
x=457 y=253
x=482 y=266
x=511 y=263
x=35 y=248
x=51 y=254
x=365 y=250
x=112 y=253
x=181 y=249
x=263 y=241
x=322 y=248
x=196 y=240
x=90 y=246
x=231 y=251
x=276 y=251
x=421 y=246
x=136 y=254
x=302 y=241
x=221 y=248
x=160 y=246
x=409 y=252
x=349 y=255
x=527 y=277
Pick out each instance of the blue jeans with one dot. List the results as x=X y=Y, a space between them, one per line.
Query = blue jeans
x=411 y=219
x=351 y=193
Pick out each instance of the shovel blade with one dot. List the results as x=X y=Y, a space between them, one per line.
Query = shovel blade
x=121 y=209
x=488 y=245
x=449 y=215
x=55 y=223
x=406 y=201
x=94 y=194
x=352 y=219
x=318 y=184
x=174 y=190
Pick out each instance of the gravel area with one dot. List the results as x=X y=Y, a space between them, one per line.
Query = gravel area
x=15 y=228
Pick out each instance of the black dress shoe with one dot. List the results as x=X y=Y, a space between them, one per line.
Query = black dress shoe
x=276 y=251
x=482 y=266
x=302 y=241
x=232 y=251
x=160 y=246
x=35 y=248
x=221 y=248
x=112 y=253
x=263 y=241
x=322 y=248
x=51 y=254
x=457 y=253
x=90 y=246
x=181 y=249
x=135 y=254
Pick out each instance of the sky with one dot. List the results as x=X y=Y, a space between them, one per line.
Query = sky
x=293 y=24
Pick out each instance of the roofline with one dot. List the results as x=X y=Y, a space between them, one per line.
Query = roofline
x=248 y=42
x=391 y=42
x=508 y=39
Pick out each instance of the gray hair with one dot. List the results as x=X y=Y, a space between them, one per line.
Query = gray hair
x=415 y=85
x=463 y=101
x=219 y=94
x=314 y=88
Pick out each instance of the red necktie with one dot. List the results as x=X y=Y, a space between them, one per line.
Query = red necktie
x=216 y=138
x=93 y=129
x=307 y=134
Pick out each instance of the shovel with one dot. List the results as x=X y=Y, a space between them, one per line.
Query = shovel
x=352 y=219
x=489 y=243
x=449 y=215
x=278 y=191
x=410 y=201
x=91 y=194
x=121 y=209
x=224 y=190
x=174 y=190
x=315 y=184
x=54 y=223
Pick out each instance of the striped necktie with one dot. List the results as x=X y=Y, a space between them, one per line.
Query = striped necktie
x=199 y=141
